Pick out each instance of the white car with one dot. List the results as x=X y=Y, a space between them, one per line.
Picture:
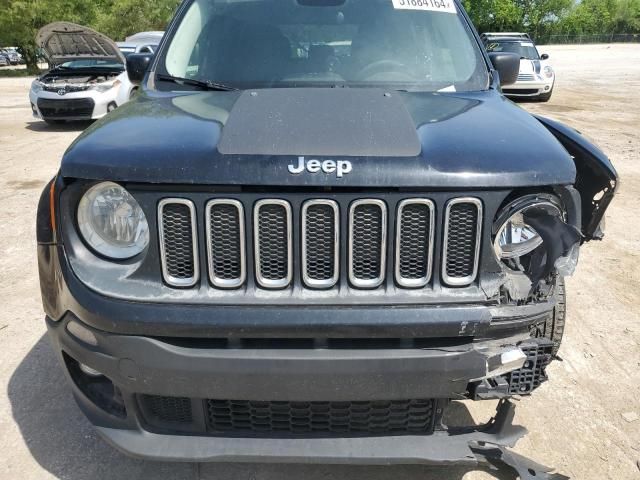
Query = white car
x=537 y=77
x=143 y=42
x=87 y=79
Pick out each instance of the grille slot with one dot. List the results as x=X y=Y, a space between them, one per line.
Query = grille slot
x=526 y=77
x=320 y=243
x=273 y=243
x=269 y=419
x=167 y=409
x=463 y=227
x=178 y=242
x=367 y=243
x=226 y=243
x=414 y=242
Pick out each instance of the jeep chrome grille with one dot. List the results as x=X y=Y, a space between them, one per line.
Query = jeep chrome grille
x=367 y=243
x=273 y=232
x=462 y=230
x=414 y=242
x=178 y=242
x=321 y=243
x=226 y=243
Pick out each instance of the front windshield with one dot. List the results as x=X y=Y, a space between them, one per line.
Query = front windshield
x=524 y=49
x=90 y=63
x=276 y=43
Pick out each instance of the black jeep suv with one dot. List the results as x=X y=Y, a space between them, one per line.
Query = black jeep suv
x=318 y=223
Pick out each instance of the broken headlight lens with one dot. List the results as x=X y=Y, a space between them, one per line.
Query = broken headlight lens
x=112 y=222
x=515 y=237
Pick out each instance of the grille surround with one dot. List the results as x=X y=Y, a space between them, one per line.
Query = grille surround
x=304 y=215
x=170 y=279
x=454 y=281
x=284 y=229
x=285 y=281
x=366 y=283
x=217 y=280
x=423 y=281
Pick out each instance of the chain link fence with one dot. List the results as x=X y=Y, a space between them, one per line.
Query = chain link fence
x=600 y=38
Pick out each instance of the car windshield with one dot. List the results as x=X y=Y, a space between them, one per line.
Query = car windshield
x=89 y=63
x=524 y=49
x=423 y=46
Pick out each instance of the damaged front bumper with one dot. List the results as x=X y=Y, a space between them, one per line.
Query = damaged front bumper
x=113 y=378
x=485 y=446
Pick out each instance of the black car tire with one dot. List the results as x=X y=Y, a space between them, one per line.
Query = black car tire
x=553 y=326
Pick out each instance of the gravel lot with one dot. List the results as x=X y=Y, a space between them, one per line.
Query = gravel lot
x=577 y=420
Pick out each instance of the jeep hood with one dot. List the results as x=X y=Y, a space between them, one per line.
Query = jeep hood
x=64 y=42
x=392 y=139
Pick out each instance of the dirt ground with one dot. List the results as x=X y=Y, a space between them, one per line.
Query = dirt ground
x=580 y=421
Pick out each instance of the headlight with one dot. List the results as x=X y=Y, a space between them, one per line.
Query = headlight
x=548 y=72
x=105 y=87
x=36 y=86
x=515 y=237
x=112 y=222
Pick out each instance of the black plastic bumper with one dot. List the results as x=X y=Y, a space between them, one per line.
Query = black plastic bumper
x=146 y=365
x=139 y=365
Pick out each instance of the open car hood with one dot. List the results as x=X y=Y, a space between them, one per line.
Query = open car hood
x=64 y=42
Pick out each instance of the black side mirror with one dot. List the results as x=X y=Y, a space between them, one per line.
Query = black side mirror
x=137 y=66
x=507 y=66
x=544 y=56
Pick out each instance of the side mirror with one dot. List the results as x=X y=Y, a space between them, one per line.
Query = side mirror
x=137 y=66
x=544 y=56
x=507 y=66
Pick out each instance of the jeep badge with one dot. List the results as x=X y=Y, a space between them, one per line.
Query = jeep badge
x=340 y=168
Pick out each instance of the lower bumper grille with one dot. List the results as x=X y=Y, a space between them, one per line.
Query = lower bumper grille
x=267 y=419
x=520 y=91
x=73 y=108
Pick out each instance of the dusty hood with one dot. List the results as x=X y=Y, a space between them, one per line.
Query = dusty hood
x=64 y=42
x=403 y=140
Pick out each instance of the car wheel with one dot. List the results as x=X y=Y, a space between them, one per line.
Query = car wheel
x=133 y=93
x=553 y=327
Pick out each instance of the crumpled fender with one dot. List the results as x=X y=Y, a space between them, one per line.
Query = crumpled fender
x=597 y=179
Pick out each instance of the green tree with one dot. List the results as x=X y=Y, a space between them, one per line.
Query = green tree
x=121 y=18
x=538 y=17
x=626 y=18
x=493 y=15
x=589 y=17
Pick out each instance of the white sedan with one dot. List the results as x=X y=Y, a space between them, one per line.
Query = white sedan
x=87 y=79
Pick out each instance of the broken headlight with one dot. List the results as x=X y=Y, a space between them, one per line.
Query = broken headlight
x=517 y=234
x=112 y=222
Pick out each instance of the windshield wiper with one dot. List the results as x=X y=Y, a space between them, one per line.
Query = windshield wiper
x=203 y=84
